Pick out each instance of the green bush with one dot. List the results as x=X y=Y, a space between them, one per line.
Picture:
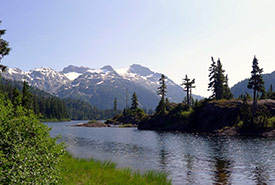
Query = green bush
x=271 y=122
x=28 y=155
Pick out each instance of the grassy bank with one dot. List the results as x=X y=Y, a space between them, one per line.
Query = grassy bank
x=82 y=171
x=55 y=120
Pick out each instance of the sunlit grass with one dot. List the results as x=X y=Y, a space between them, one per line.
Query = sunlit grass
x=83 y=171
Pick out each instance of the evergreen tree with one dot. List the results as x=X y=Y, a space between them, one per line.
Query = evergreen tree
x=115 y=105
x=212 y=78
x=135 y=103
x=162 y=89
x=227 y=92
x=4 y=49
x=188 y=85
x=16 y=97
x=218 y=81
x=270 y=92
x=256 y=82
x=26 y=95
x=161 y=108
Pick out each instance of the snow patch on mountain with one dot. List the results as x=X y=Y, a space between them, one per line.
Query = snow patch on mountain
x=72 y=75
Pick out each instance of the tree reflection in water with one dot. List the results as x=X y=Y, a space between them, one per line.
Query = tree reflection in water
x=222 y=172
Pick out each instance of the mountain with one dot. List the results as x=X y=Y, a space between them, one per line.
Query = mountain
x=241 y=87
x=43 y=78
x=100 y=86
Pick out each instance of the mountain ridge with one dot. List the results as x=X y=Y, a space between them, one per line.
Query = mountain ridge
x=241 y=87
x=100 y=86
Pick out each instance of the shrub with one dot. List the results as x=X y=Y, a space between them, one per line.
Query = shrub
x=28 y=155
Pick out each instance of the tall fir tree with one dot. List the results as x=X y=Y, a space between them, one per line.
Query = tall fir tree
x=256 y=82
x=188 y=85
x=16 y=98
x=115 y=105
x=227 y=92
x=218 y=81
x=270 y=92
x=212 y=78
x=135 y=103
x=4 y=48
x=161 y=108
x=26 y=96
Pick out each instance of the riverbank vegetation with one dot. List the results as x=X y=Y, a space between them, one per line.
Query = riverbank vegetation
x=211 y=115
x=90 y=171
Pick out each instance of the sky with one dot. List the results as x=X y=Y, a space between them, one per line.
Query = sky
x=173 y=37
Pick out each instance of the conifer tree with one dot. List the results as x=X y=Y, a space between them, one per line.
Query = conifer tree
x=219 y=86
x=115 y=105
x=256 y=82
x=161 y=108
x=218 y=81
x=135 y=103
x=4 y=49
x=270 y=92
x=188 y=85
x=16 y=97
x=212 y=78
x=162 y=89
x=26 y=95
x=227 y=92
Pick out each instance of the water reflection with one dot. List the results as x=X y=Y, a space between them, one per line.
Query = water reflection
x=222 y=162
x=188 y=158
x=190 y=177
x=222 y=172
x=260 y=175
x=163 y=153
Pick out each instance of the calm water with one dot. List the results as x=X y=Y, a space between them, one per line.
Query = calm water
x=187 y=158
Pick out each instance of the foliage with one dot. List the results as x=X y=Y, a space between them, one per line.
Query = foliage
x=26 y=96
x=241 y=87
x=270 y=94
x=127 y=125
x=115 y=105
x=161 y=108
x=4 y=48
x=82 y=171
x=50 y=107
x=256 y=122
x=28 y=154
x=218 y=81
x=271 y=122
x=162 y=89
x=256 y=82
x=245 y=97
x=135 y=103
x=188 y=85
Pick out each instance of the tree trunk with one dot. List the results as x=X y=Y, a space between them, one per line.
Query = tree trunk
x=254 y=103
x=188 y=100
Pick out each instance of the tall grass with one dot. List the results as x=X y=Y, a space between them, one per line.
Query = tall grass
x=93 y=172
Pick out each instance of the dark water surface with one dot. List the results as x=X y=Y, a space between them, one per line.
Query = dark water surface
x=187 y=158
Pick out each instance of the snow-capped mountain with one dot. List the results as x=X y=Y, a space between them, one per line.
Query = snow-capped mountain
x=150 y=80
x=100 y=86
x=43 y=78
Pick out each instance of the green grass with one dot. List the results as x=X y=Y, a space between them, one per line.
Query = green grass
x=271 y=122
x=83 y=171
x=55 y=120
x=127 y=125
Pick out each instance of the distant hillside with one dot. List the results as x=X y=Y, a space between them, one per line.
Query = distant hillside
x=100 y=87
x=241 y=87
x=52 y=107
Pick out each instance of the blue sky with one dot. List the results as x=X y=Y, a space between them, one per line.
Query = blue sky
x=174 y=37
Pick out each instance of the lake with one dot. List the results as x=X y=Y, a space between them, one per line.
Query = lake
x=187 y=158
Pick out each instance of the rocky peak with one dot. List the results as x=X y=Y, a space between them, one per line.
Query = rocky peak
x=140 y=70
x=76 y=69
